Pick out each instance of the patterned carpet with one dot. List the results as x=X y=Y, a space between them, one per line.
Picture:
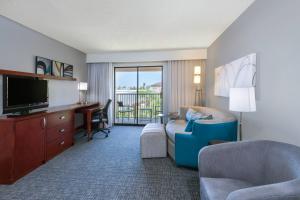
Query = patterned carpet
x=108 y=168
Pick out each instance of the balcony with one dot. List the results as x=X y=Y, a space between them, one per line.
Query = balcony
x=128 y=111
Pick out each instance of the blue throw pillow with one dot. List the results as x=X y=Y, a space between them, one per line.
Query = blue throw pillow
x=189 y=126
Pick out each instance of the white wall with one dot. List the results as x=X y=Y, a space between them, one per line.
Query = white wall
x=19 y=46
x=148 y=56
x=271 y=29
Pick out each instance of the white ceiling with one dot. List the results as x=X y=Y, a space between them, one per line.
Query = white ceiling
x=127 y=25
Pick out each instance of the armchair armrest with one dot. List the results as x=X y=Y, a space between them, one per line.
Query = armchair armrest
x=289 y=190
x=239 y=160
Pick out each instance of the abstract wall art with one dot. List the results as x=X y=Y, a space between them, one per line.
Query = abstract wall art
x=68 y=70
x=57 y=68
x=43 y=66
x=239 y=73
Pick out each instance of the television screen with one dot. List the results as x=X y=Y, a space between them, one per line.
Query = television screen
x=23 y=93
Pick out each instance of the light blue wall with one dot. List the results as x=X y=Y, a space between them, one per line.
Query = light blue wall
x=19 y=46
x=270 y=28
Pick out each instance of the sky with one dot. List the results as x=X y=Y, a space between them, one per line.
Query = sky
x=129 y=79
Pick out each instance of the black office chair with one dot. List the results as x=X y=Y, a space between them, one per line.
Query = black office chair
x=101 y=117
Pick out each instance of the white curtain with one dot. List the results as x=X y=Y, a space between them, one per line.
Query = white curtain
x=179 y=83
x=100 y=83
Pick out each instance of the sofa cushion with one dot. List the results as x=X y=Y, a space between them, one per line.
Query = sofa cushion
x=176 y=126
x=220 y=188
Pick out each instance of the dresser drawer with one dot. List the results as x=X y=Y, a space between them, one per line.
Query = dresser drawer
x=58 y=131
x=55 y=147
x=58 y=118
x=68 y=138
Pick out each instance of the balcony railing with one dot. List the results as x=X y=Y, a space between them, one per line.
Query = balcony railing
x=132 y=108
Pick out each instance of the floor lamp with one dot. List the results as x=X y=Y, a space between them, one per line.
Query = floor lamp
x=242 y=100
x=197 y=82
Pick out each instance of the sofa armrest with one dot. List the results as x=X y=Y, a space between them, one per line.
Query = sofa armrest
x=237 y=160
x=187 y=147
x=289 y=190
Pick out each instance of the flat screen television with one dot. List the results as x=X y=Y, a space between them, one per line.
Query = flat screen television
x=22 y=94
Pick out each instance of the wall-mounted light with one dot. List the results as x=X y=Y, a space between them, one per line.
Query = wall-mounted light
x=197 y=70
x=197 y=81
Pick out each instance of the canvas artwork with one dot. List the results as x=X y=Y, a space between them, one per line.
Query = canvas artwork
x=239 y=73
x=43 y=66
x=68 y=70
x=57 y=68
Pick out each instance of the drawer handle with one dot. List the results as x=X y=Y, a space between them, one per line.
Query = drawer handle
x=62 y=143
x=62 y=117
x=62 y=130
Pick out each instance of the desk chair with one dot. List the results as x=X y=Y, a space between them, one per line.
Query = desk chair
x=101 y=117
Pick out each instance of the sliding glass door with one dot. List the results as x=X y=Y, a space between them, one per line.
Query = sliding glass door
x=138 y=95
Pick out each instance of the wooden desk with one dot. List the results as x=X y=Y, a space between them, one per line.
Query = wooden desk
x=88 y=113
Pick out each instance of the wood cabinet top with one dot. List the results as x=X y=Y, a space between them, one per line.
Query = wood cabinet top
x=45 y=111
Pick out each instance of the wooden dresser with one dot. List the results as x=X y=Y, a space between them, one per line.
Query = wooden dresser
x=26 y=142
x=60 y=130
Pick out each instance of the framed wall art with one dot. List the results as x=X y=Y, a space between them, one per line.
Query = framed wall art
x=43 y=65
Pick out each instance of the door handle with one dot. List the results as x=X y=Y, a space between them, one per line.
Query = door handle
x=44 y=123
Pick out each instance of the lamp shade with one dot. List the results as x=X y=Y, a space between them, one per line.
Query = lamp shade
x=242 y=99
x=197 y=70
x=83 y=86
x=197 y=79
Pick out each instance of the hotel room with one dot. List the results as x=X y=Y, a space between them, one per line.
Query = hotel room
x=134 y=99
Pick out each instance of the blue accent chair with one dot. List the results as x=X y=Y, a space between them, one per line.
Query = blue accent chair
x=184 y=147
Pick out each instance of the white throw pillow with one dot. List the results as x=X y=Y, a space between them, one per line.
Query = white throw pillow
x=193 y=114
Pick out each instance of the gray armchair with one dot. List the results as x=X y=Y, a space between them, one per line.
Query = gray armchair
x=251 y=170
